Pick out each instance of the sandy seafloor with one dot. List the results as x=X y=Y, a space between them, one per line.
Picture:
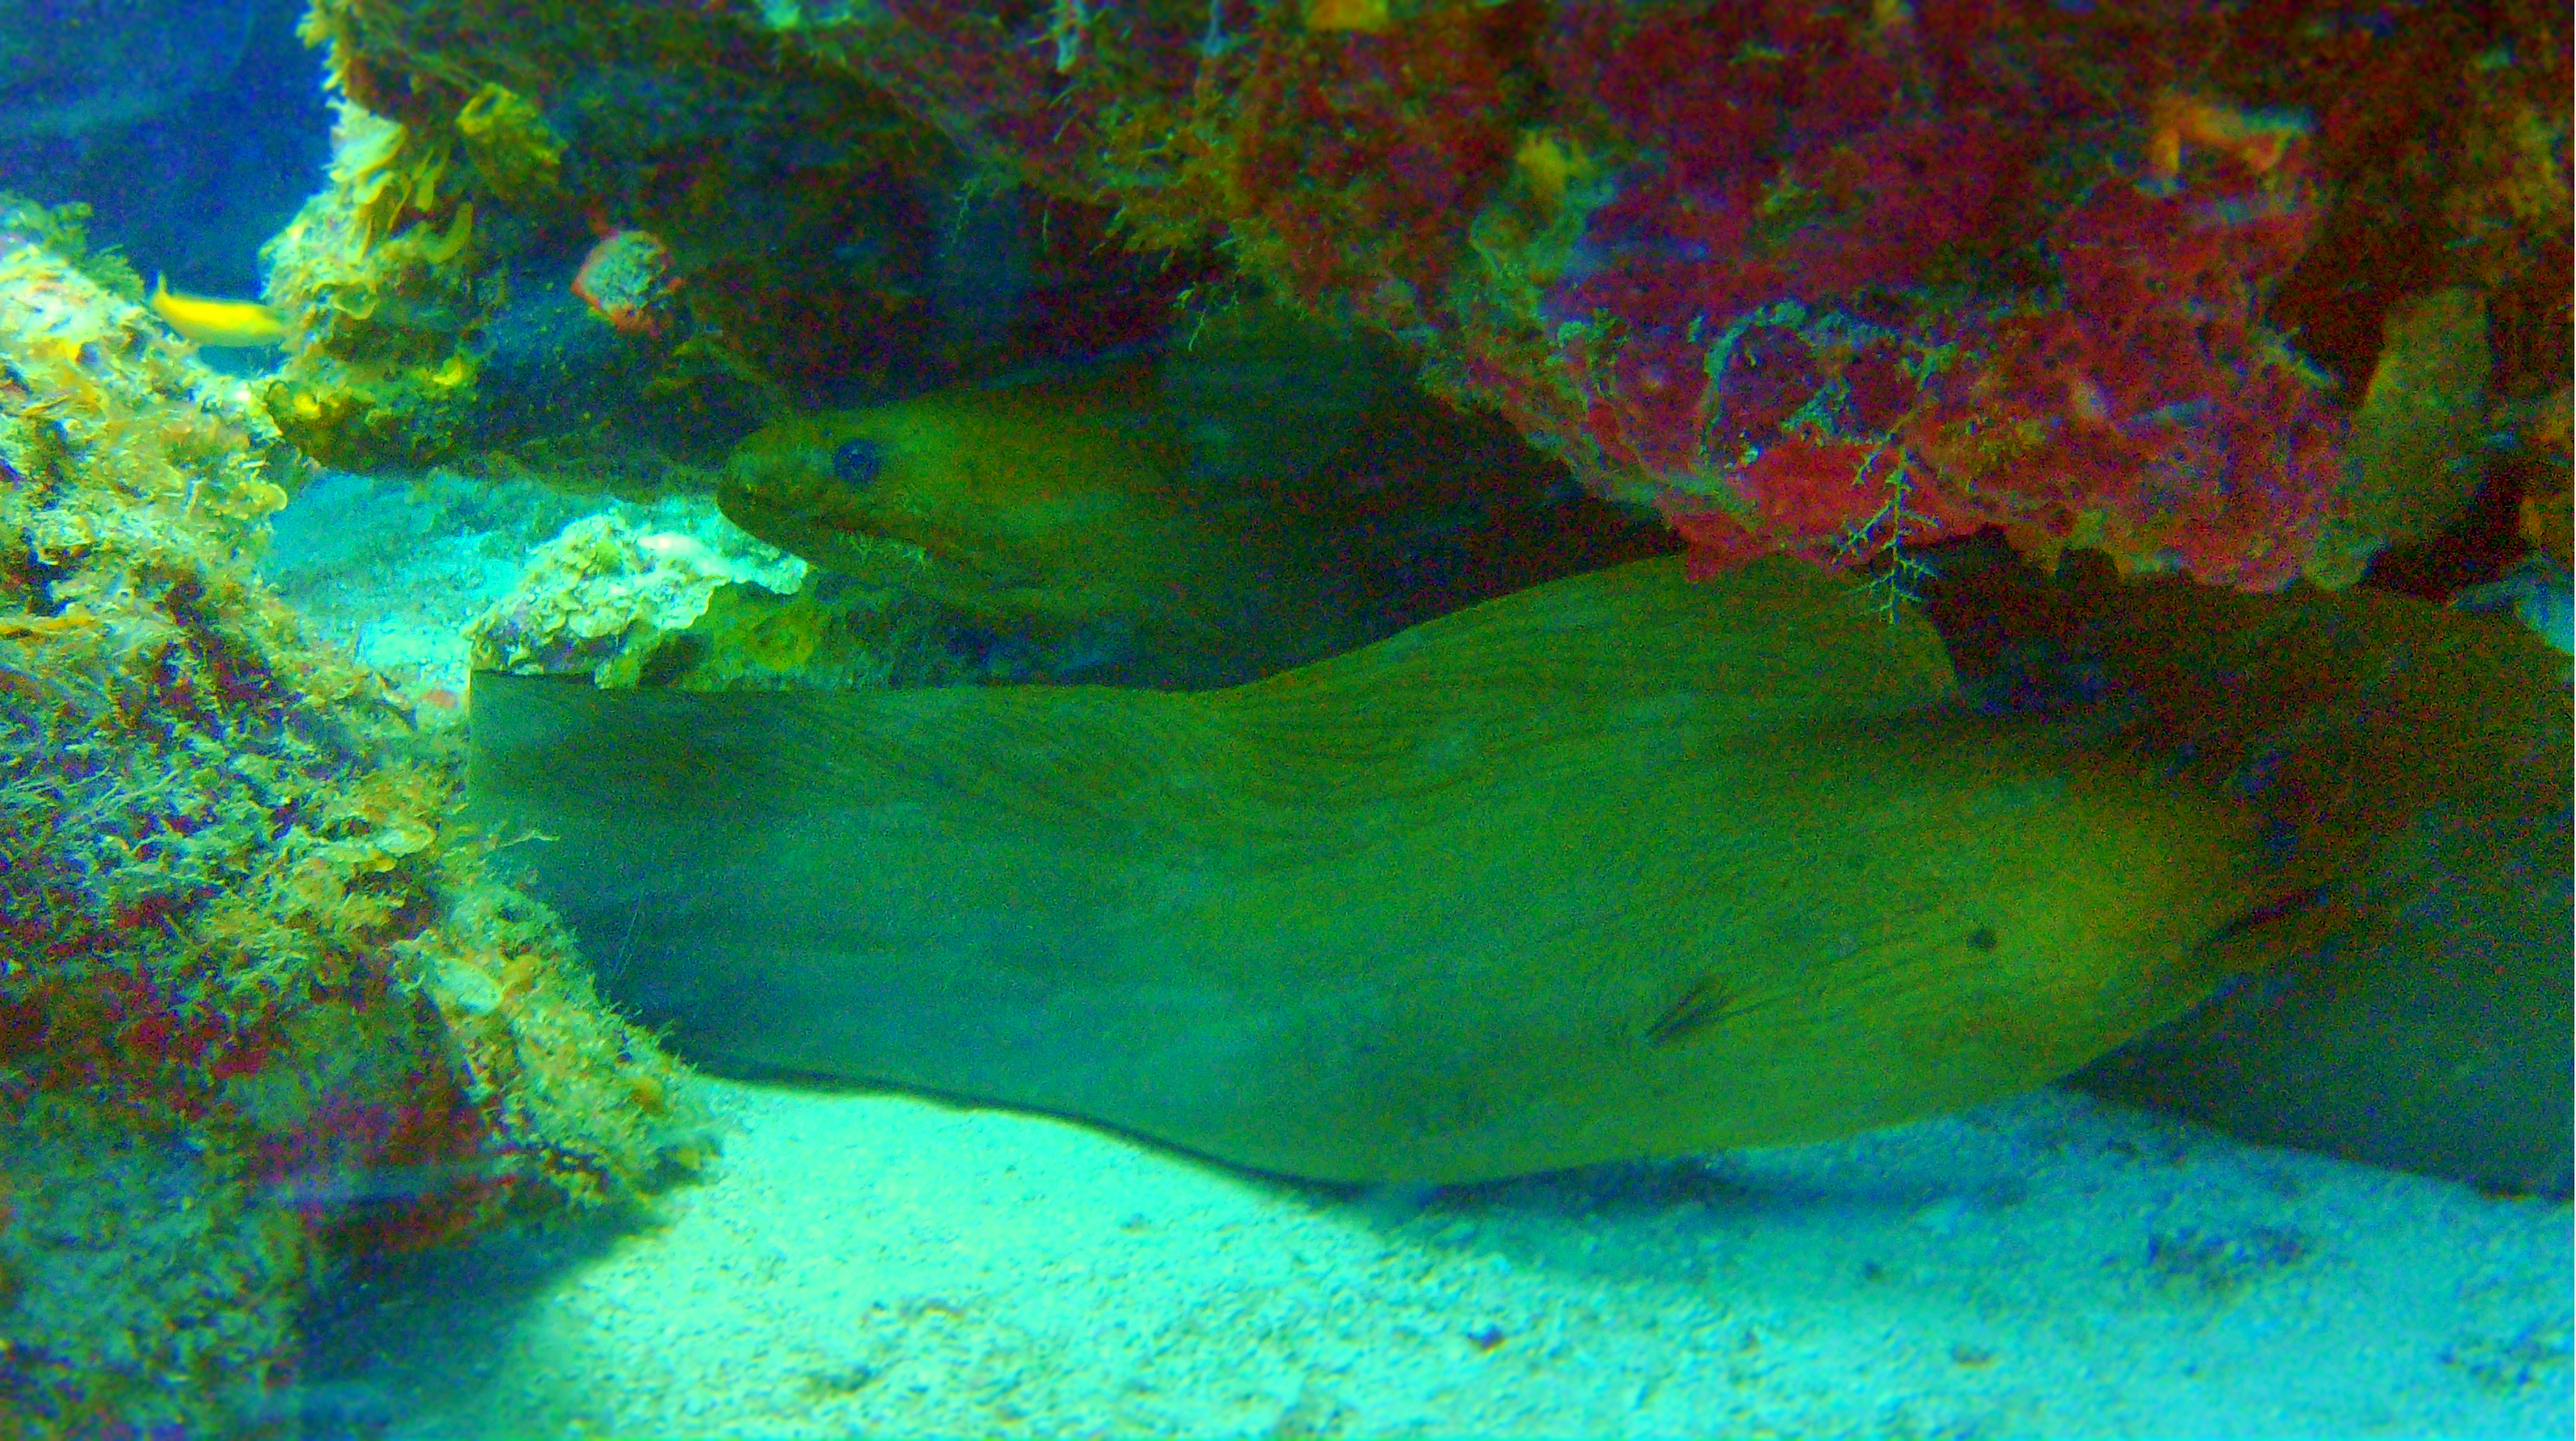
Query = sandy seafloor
x=881 y=1265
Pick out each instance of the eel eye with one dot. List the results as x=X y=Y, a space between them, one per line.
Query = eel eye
x=857 y=463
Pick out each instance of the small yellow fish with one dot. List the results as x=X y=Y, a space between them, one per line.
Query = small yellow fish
x=209 y=321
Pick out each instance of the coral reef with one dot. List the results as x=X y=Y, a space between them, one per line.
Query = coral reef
x=1830 y=279
x=257 y=1000
x=599 y=598
x=597 y=246
x=1835 y=280
x=64 y=230
x=626 y=280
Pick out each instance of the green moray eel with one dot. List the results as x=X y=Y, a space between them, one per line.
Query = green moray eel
x=1067 y=512
x=1050 y=500
x=2419 y=754
x=1267 y=490
x=1266 y=497
x=1615 y=867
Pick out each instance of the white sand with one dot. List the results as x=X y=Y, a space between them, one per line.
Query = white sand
x=876 y=1265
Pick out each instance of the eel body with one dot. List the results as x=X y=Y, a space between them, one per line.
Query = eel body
x=2420 y=756
x=1615 y=867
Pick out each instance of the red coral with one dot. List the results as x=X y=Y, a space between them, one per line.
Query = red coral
x=2153 y=398
x=1877 y=389
x=1830 y=277
x=1718 y=541
x=626 y=280
x=1359 y=155
x=1770 y=376
x=1651 y=401
x=2142 y=402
